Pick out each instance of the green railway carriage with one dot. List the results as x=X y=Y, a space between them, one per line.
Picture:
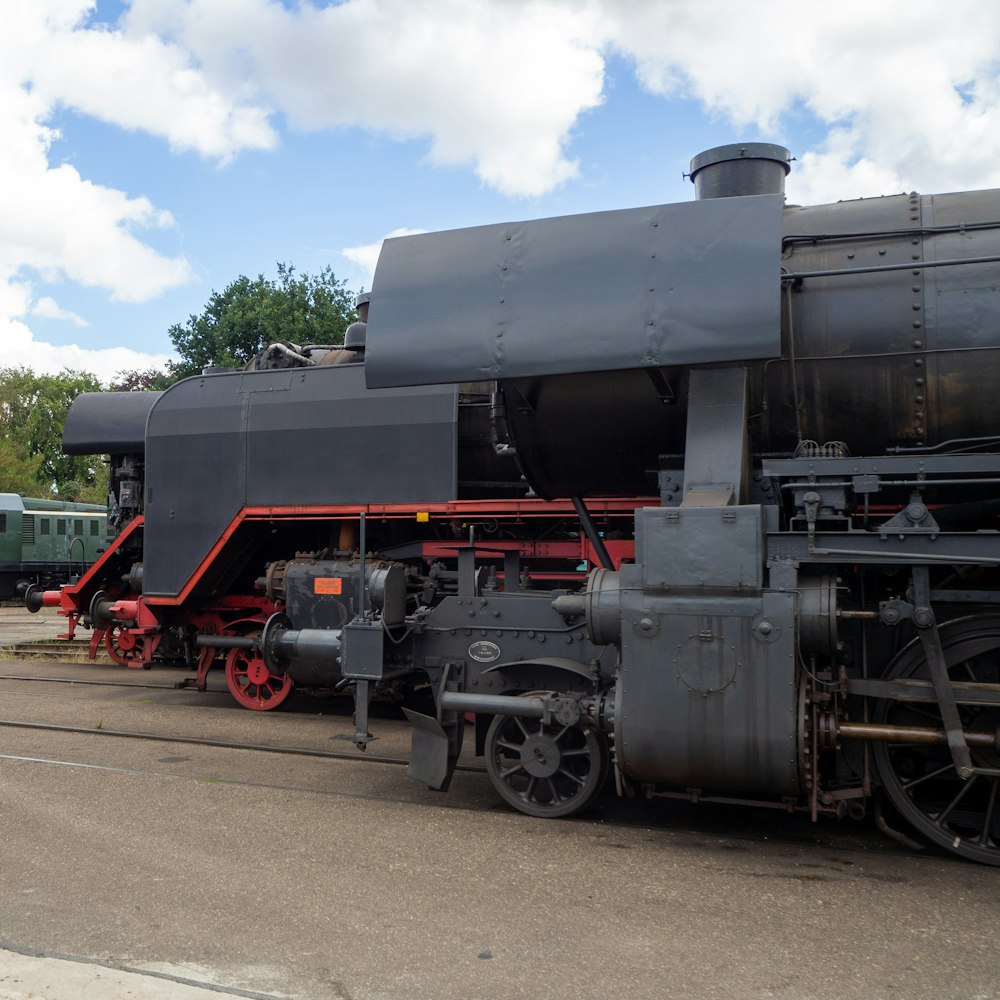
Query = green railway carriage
x=47 y=541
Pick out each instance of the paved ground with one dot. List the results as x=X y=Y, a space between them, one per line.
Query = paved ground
x=19 y=625
x=244 y=873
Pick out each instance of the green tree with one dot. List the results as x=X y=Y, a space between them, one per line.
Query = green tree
x=250 y=313
x=149 y=379
x=32 y=413
x=18 y=470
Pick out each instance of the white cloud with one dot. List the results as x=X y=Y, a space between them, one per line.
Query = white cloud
x=52 y=219
x=495 y=85
x=22 y=348
x=366 y=257
x=135 y=80
x=898 y=97
x=909 y=97
x=56 y=224
x=499 y=85
x=48 y=308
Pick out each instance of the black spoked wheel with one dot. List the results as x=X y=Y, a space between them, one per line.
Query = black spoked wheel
x=545 y=770
x=961 y=816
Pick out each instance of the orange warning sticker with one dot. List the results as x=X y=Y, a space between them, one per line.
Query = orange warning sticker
x=327 y=585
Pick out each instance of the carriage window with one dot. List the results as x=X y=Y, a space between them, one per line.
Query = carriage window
x=44 y=525
x=60 y=526
x=95 y=528
x=3 y=521
x=78 y=526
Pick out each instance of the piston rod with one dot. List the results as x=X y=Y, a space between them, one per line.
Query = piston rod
x=924 y=735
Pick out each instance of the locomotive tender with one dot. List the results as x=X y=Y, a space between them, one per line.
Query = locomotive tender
x=704 y=495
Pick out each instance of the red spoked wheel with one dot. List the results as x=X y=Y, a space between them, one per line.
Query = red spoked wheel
x=252 y=684
x=123 y=646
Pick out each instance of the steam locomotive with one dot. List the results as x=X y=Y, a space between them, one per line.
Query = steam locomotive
x=704 y=496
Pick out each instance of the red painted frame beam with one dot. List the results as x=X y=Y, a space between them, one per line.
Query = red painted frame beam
x=517 y=509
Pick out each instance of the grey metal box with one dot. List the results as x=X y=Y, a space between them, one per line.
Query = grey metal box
x=719 y=548
x=361 y=650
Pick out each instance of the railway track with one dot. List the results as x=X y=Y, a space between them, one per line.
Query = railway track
x=87 y=680
x=619 y=812
x=219 y=744
x=59 y=650
x=189 y=740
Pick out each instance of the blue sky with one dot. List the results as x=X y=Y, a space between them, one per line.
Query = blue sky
x=160 y=148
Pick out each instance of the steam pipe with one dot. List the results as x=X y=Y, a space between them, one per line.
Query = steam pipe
x=914 y=265
x=492 y=704
x=592 y=534
x=226 y=641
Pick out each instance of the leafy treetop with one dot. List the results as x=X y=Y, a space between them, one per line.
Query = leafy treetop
x=32 y=413
x=250 y=313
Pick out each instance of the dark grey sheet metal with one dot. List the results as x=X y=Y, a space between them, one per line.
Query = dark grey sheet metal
x=694 y=283
x=108 y=423
x=308 y=437
x=706 y=697
x=705 y=701
x=323 y=437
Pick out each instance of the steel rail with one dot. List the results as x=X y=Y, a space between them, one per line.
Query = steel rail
x=219 y=744
x=90 y=681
